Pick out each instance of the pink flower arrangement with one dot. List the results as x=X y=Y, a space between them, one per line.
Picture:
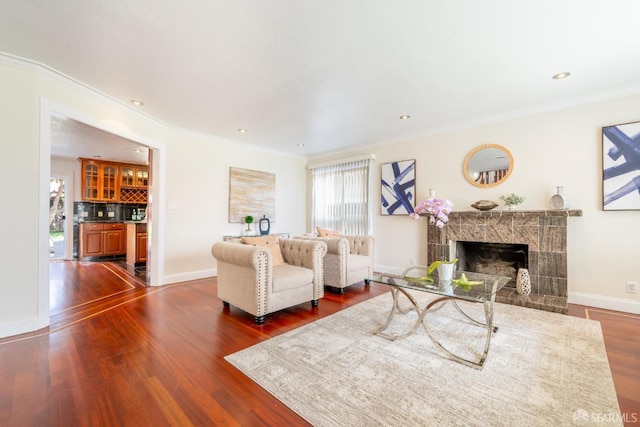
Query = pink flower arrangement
x=438 y=210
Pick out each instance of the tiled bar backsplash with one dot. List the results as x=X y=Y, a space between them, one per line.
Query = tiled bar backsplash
x=545 y=234
x=97 y=211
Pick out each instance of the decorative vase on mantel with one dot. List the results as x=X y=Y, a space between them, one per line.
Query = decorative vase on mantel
x=559 y=200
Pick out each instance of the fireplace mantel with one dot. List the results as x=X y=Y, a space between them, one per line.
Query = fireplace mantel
x=543 y=231
x=517 y=212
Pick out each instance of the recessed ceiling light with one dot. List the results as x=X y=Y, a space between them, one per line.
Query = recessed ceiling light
x=300 y=145
x=405 y=117
x=137 y=150
x=242 y=130
x=561 y=76
x=137 y=103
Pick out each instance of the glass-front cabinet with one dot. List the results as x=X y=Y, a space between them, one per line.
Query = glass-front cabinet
x=91 y=180
x=108 y=181
x=127 y=176
x=142 y=177
x=134 y=176
x=99 y=181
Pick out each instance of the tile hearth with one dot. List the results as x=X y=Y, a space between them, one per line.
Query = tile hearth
x=545 y=234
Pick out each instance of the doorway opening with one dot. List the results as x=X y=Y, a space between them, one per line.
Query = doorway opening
x=57 y=217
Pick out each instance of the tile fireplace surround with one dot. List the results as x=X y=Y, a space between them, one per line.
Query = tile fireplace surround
x=545 y=233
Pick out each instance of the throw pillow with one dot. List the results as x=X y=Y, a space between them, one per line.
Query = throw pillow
x=325 y=232
x=269 y=242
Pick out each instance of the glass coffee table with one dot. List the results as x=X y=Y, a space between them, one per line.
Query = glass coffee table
x=413 y=279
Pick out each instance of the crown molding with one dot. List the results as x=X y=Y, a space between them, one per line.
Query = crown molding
x=44 y=70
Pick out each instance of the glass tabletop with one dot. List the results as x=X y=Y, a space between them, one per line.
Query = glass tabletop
x=477 y=287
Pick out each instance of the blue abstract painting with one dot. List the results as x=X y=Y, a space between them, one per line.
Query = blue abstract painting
x=621 y=167
x=398 y=187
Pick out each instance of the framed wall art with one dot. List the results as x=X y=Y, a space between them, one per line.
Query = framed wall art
x=621 y=167
x=398 y=187
x=251 y=193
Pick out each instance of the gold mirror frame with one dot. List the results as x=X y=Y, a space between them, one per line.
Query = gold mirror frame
x=491 y=176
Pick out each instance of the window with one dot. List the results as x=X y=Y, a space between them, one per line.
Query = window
x=341 y=196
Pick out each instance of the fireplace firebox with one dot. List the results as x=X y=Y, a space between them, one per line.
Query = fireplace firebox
x=501 y=259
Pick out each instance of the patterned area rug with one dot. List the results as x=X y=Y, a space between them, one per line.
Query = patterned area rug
x=543 y=369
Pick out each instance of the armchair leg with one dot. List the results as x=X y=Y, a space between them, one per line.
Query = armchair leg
x=366 y=282
x=226 y=304
x=314 y=303
x=260 y=320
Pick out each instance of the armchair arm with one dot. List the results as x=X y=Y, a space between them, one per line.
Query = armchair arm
x=244 y=273
x=241 y=255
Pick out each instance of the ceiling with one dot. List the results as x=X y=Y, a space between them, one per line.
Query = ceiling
x=72 y=139
x=333 y=74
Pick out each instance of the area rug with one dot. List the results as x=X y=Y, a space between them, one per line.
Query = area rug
x=543 y=369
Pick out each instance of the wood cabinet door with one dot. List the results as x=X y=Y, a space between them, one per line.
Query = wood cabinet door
x=141 y=247
x=114 y=242
x=90 y=180
x=110 y=191
x=92 y=243
x=142 y=177
x=127 y=176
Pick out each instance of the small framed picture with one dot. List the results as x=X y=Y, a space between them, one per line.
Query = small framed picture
x=621 y=167
x=398 y=187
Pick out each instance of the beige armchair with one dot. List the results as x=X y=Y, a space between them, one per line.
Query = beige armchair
x=349 y=260
x=249 y=279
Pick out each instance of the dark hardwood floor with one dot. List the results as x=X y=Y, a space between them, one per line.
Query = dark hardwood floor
x=120 y=354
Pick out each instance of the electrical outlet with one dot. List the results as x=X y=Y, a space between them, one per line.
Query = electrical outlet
x=412 y=261
x=632 y=287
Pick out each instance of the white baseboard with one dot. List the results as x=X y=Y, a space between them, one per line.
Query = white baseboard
x=609 y=303
x=191 y=275
x=387 y=268
x=18 y=328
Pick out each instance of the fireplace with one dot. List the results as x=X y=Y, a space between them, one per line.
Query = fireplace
x=501 y=259
x=536 y=240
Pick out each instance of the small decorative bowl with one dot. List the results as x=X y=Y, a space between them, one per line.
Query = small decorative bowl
x=484 y=205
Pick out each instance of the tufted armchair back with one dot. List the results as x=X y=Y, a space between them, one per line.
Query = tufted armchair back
x=349 y=259
x=308 y=256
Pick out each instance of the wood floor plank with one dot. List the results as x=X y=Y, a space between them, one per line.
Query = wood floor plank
x=155 y=357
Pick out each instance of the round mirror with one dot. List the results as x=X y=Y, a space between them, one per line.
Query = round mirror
x=488 y=165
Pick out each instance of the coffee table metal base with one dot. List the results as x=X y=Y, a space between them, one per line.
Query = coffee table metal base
x=434 y=305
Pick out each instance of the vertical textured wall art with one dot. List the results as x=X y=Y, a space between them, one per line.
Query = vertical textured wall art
x=621 y=167
x=398 y=187
x=251 y=193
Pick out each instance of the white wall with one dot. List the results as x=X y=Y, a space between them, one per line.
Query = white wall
x=194 y=176
x=197 y=182
x=557 y=148
x=19 y=175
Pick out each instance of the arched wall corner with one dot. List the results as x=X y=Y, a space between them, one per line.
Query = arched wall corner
x=47 y=109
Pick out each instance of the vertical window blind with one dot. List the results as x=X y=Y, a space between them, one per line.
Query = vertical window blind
x=342 y=197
